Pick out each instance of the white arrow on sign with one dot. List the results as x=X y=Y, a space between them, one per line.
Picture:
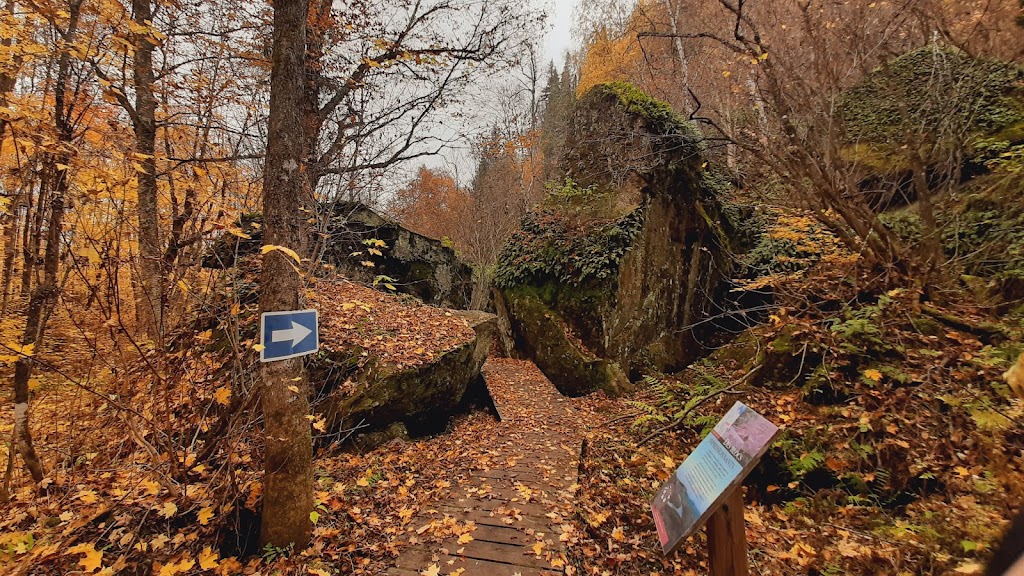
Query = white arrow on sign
x=297 y=333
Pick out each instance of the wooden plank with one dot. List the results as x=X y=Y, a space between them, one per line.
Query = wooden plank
x=507 y=474
x=499 y=507
x=510 y=494
x=506 y=553
x=727 y=538
x=485 y=518
x=534 y=456
x=502 y=535
x=417 y=559
x=499 y=480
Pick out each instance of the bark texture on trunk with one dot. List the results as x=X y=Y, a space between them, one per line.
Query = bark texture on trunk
x=44 y=295
x=288 y=473
x=10 y=220
x=150 y=303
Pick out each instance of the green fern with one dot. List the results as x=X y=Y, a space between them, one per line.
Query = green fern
x=676 y=401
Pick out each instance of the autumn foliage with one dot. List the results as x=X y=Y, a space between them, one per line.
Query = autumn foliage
x=434 y=205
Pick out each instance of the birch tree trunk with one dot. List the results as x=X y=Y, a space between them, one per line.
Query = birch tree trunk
x=677 y=43
x=10 y=220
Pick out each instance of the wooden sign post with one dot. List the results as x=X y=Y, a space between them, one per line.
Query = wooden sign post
x=707 y=489
x=727 y=538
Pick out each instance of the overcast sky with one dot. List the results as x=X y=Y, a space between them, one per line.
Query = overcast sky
x=459 y=158
x=557 y=41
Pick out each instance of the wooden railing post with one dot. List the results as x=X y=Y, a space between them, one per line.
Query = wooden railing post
x=727 y=538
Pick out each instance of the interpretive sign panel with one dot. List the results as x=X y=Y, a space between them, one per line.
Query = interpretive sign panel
x=705 y=478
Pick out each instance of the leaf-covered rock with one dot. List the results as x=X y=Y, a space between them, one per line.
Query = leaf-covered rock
x=385 y=361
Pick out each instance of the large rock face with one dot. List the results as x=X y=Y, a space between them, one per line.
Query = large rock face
x=387 y=364
x=624 y=265
x=384 y=362
x=421 y=397
x=415 y=264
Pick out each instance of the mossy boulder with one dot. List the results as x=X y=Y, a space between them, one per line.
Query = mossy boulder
x=786 y=359
x=739 y=354
x=938 y=102
x=543 y=335
x=376 y=394
x=936 y=87
x=627 y=260
x=355 y=234
x=982 y=227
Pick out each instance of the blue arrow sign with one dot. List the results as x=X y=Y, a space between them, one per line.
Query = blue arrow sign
x=288 y=334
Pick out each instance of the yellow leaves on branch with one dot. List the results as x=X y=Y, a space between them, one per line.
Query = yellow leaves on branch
x=26 y=350
x=268 y=248
x=320 y=425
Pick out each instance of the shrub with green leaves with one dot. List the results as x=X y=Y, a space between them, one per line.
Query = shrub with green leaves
x=548 y=247
x=986 y=231
x=904 y=223
x=860 y=329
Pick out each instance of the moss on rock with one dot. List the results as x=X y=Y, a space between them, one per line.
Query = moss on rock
x=918 y=87
x=632 y=284
x=660 y=116
x=565 y=360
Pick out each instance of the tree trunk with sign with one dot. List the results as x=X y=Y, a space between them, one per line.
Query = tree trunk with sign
x=288 y=477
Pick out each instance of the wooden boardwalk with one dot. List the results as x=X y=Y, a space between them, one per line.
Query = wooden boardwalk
x=509 y=518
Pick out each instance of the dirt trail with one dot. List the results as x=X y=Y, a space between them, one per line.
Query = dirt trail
x=510 y=515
